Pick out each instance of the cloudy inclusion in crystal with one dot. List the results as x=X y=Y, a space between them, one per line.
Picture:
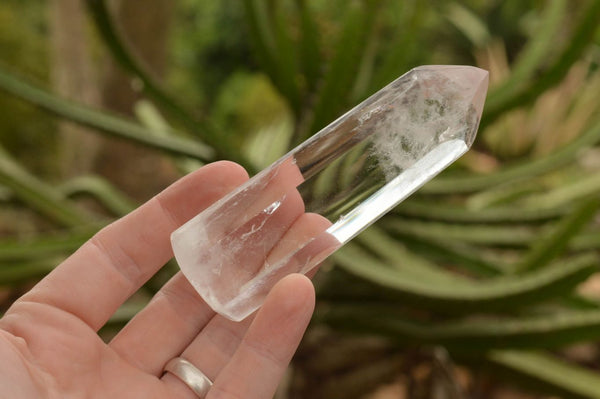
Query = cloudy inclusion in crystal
x=295 y=213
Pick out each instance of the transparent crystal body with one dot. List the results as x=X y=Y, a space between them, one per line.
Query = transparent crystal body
x=292 y=215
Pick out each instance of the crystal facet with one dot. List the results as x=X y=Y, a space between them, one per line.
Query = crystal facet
x=298 y=211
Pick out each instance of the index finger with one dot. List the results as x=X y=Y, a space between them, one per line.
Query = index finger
x=262 y=357
x=105 y=271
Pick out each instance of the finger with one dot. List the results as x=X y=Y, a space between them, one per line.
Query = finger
x=235 y=259
x=104 y=272
x=281 y=182
x=177 y=313
x=308 y=227
x=253 y=200
x=210 y=351
x=164 y=328
x=214 y=346
x=300 y=250
x=217 y=342
x=266 y=350
x=232 y=241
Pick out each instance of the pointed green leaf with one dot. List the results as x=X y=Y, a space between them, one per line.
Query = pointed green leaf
x=557 y=375
x=101 y=120
x=275 y=50
x=466 y=335
x=481 y=234
x=581 y=188
x=310 y=46
x=43 y=246
x=39 y=195
x=435 y=210
x=21 y=272
x=342 y=70
x=393 y=253
x=556 y=240
x=411 y=16
x=517 y=172
x=586 y=28
x=533 y=55
x=287 y=57
x=115 y=43
x=108 y=195
x=383 y=281
x=469 y=23
x=467 y=257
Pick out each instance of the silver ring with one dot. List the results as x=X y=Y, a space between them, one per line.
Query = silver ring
x=190 y=375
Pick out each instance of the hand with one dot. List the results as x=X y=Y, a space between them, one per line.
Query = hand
x=49 y=347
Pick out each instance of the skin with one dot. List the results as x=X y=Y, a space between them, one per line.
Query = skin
x=49 y=346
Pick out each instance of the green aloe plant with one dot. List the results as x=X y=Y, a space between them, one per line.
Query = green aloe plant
x=485 y=265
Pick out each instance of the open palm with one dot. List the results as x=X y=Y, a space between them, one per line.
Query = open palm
x=49 y=347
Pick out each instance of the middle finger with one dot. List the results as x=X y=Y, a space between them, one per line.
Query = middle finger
x=214 y=346
x=177 y=313
x=164 y=328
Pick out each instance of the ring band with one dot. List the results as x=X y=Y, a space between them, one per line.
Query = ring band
x=190 y=375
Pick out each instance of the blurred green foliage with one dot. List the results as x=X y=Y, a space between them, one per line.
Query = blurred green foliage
x=24 y=46
x=492 y=261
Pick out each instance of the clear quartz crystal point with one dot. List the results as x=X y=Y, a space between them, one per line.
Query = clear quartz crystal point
x=306 y=205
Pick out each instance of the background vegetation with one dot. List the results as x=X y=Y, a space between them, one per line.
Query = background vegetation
x=484 y=281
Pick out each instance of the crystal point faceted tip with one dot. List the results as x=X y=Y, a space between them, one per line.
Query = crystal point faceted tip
x=302 y=208
x=472 y=83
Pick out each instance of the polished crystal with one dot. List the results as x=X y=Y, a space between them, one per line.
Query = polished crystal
x=302 y=208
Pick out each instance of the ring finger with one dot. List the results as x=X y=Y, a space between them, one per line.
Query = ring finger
x=215 y=345
x=255 y=368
